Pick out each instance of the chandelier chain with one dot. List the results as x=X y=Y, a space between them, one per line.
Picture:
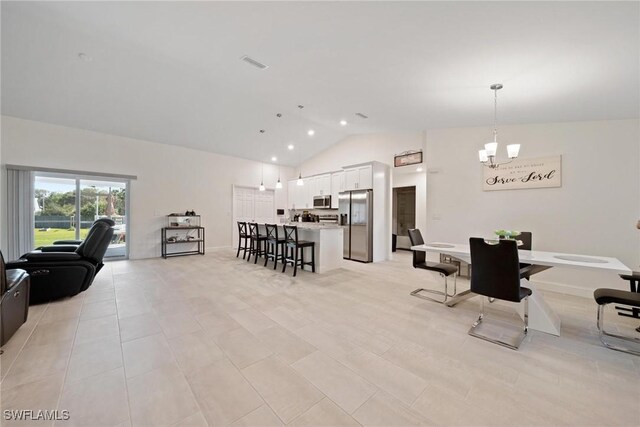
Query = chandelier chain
x=495 y=115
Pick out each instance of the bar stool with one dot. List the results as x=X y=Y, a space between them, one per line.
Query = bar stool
x=243 y=239
x=292 y=242
x=256 y=242
x=273 y=246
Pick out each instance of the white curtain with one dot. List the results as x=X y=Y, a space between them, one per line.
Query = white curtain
x=20 y=209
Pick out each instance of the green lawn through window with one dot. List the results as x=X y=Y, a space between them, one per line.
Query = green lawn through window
x=44 y=238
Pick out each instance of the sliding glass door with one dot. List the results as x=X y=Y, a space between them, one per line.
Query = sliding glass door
x=66 y=206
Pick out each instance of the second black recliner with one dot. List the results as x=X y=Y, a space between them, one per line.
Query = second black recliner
x=61 y=271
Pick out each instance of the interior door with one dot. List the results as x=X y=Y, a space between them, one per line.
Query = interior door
x=243 y=209
x=264 y=206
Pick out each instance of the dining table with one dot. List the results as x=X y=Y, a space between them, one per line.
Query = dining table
x=541 y=316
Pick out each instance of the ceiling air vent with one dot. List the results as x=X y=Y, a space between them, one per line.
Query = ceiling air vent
x=255 y=63
x=362 y=115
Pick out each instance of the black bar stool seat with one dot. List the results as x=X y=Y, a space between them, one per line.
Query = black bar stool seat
x=292 y=246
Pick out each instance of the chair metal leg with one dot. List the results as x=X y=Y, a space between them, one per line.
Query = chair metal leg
x=445 y=294
x=602 y=334
x=512 y=342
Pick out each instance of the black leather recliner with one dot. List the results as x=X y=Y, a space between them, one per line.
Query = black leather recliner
x=14 y=300
x=61 y=271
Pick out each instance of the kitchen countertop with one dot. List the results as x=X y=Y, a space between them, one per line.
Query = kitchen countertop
x=315 y=225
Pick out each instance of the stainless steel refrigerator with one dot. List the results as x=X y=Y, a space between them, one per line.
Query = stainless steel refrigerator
x=356 y=218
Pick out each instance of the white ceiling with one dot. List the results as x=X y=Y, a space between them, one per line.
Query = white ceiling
x=170 y=71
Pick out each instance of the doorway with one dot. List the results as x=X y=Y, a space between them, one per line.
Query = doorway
x=66 y=206
x=252 y=205
x=404 y=215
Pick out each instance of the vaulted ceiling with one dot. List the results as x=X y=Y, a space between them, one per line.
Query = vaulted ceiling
x=171 y=71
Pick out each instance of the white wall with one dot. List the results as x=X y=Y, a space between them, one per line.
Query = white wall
x=170 y=178
x=593 y=213
x=361 y=149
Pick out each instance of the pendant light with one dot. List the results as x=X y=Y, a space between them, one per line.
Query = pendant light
x=262 y=187
x=300 y=181
x=488 y=155
x=279 y=183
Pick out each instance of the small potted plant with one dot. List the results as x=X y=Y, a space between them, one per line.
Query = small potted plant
x=507 y=234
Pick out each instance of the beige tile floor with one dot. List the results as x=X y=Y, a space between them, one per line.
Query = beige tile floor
x=213 y=340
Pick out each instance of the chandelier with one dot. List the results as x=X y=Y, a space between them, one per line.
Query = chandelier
x=488 y=155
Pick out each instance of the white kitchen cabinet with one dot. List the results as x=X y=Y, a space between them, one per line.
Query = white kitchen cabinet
x=312 y=190
x=323 y=185
x=358 y=178
x=291 y=194
x=337 y=185
x=365 y=177
x=351 y=178
x=302 y=192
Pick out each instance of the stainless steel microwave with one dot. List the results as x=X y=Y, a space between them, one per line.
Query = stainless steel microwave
x=322 y=202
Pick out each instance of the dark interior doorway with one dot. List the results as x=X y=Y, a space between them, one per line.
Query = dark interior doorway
x=404 y=214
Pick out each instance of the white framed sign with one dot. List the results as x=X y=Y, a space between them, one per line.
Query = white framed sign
x=521 y=174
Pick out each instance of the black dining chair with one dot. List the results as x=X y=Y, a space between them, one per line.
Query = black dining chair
x=294 y=247
x=603 y=297
x=243 y=239
x=496 y=274
x=256 y=242
x=274 y=245
x=420 y=261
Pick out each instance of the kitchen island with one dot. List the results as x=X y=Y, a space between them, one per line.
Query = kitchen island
x=328 y=239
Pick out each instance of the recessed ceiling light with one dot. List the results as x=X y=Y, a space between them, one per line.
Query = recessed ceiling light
x=290 y=146
x=84 y=57
x=311 y=132
x=343 y=122
x=419 y=169
x=274 y=159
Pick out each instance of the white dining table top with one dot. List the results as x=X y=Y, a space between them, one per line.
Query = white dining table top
x=551 y=259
